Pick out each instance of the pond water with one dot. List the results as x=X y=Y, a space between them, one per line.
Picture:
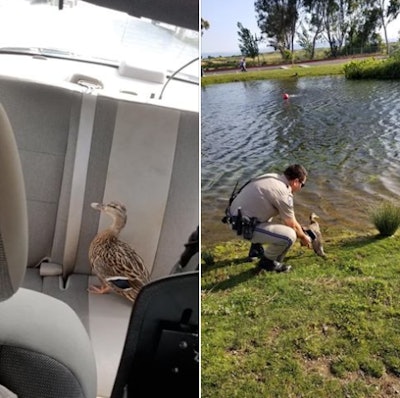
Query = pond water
x=346 y=133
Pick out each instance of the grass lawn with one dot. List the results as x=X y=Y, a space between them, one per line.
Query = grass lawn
x=285 y=73
x=321 y=68
x=329 y=328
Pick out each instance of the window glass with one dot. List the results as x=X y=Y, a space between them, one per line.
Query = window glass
x=87 y=32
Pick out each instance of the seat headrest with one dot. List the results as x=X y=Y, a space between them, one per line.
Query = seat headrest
x=13 y=213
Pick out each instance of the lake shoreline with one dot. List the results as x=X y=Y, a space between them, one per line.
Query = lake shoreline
x=350 y=152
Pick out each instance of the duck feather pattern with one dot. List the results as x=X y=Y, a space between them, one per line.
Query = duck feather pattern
x=115 y=262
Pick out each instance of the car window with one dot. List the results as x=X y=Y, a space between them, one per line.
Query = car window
x=87 y=32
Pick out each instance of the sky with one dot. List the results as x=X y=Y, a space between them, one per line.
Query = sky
x=223 y=15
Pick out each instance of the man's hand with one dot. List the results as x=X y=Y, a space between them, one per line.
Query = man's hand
x=306 y=241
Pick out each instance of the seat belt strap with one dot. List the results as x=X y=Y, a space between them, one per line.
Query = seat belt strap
x=79 y=176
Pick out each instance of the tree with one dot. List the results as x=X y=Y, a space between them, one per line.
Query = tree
x=277 y=19
x=305 y=42
x=247 y=43
x=313 y=10
x=388 y=11
x=337 y=21
x=362 y=36
x=359 y=20
x=347 y=25
x=204 y=25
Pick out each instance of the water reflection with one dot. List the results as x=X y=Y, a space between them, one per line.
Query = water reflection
x=346 y=133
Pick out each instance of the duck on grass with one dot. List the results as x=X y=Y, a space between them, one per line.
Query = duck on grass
x=329 y=328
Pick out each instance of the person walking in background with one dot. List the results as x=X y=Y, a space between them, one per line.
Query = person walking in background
x=256 y=204
x=242 y=64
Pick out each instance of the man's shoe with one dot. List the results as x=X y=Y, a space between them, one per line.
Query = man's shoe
x=271 y=265
x=280 y=267
x=256 y=251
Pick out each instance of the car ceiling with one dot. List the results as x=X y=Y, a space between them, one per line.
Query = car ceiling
x=183 y=13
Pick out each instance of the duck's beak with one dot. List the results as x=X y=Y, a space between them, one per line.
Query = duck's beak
x=97 y=206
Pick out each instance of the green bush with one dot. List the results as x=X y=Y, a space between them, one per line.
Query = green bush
x=353 y=70
x=391 y=69
x=373 y=69
x=386 y=218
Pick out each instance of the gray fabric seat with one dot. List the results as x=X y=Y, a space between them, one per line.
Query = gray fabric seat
x=45 y=350
x=125 y=145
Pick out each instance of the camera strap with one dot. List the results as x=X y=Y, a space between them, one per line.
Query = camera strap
x=237 y=192
x=227 y=219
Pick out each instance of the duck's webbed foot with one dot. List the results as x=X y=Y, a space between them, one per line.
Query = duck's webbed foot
x=96 y=289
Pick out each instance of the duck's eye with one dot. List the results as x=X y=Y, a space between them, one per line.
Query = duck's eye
x=117 y=207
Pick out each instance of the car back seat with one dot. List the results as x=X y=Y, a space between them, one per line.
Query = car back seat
x=79 y=147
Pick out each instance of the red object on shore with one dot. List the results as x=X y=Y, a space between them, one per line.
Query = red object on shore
x=285 y=96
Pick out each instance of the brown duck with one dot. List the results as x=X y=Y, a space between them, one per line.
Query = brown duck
x=317 y=242
x=117 y=265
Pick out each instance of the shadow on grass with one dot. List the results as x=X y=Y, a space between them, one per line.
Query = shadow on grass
x=359 y=241
x=230 y=282
x=225 y=263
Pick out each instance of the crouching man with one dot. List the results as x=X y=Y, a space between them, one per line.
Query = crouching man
x=262 y=199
